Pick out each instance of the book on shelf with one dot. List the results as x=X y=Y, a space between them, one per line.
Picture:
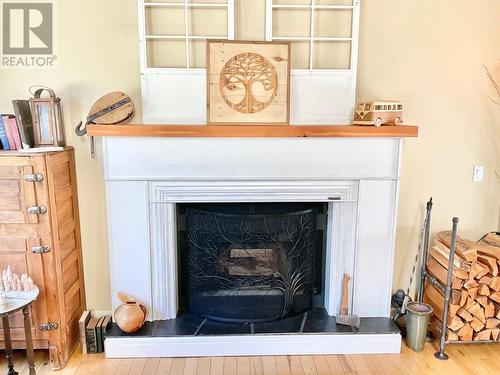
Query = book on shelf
x=3 y=135
x=106 y=326
x=10 y=136
x=14 y=130
x=36 y=150
x=22 y=110
x=98 y=335
x=82 y=324
x=90 y=335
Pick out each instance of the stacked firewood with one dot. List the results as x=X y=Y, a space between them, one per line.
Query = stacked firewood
x=474 y=308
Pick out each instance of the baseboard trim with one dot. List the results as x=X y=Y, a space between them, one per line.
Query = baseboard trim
x=245 y=345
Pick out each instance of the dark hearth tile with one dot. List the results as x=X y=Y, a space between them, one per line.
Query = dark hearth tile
x=146 y=330
x=318 y=321
x=183 y=325
x=218 y=328
x=377 y=325
x=290 y=325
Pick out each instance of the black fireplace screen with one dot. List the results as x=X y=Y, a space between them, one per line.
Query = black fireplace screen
x=249 y=267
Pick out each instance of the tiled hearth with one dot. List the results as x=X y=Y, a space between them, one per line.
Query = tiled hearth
x=316 y=321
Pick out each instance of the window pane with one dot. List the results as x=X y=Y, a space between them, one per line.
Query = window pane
x=166 y=53
x=331 y=55
x=164 y=21
x=208 y=1
x=197 y=53
x=291 y=22
x=293 y=2
x=333 y=23
x=300 y=55
x=207 y=21
x=333 y=2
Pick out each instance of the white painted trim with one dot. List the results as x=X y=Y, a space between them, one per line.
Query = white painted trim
x=245 y=345
x=341 y=233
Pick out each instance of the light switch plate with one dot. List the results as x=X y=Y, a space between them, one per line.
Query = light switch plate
x=478 y=173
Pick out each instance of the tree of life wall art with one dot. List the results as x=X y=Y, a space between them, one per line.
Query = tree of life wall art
x=248 y=82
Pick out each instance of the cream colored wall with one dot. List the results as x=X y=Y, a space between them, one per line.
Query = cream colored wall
x=427 y=53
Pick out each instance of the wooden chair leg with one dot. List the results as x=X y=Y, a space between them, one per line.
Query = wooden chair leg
x=30 y=355
x=8 y=345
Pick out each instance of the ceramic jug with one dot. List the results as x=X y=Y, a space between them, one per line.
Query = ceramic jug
x=130 y=315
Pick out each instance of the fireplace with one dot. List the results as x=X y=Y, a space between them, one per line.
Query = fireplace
x=250 y=262
x=350 y=183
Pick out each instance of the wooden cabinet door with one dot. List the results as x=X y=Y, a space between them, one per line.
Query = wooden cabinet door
x=18 y=235
x=16 y=194
x=17 y=253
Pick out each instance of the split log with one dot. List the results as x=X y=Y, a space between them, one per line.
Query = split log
x=465 y=333
x=485 y=280
x=483 y=335
x=467 y=316
x=491 y=239
x=463 y=297
x=442 y=259
x=482 y=300
x=457 y=261
x=462 y=249
x=476 y=325
x=495 y=297
x=471 y=283
x=484 y=290
x=475 y=269
x=478 y=312
x=456 y=323
x=495 y=334
x=495 y=284
x=434 y=298
x=440 y=273
x=489 y=310
x=490 y=262
x=473 y=292
x=492 y=323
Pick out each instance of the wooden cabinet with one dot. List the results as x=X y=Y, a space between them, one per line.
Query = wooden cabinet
x=40 y=235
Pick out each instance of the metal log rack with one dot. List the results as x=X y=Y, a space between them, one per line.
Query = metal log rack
x=444 y=288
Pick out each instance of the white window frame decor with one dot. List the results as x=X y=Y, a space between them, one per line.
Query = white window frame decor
x=178 y=95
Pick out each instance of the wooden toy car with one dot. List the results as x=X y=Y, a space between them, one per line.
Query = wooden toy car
x=379 y=113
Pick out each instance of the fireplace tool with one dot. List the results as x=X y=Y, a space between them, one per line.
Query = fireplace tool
x=344 y=318
x=400 y=298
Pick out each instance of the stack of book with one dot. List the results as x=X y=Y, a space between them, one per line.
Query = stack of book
x=93 y=332
x=16 y=131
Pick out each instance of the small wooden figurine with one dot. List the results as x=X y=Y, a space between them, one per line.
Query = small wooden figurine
x=379 y=113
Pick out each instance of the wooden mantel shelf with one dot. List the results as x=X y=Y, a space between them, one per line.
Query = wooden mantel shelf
x=247 y=131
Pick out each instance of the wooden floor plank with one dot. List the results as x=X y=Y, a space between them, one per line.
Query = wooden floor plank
x=308 y=365
x=269 y=365
x=217 y=366
x=204 y=366
x=191 y=366
x=164 y=366
x=243 y=366
x=229 y=365
x=178 y=366
x=256 y=366
x=464 y=359
x=282 y=365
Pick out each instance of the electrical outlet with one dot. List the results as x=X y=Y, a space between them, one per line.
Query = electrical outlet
x=478 y=173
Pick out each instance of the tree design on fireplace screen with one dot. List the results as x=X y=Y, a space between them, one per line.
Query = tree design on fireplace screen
x=250 y=268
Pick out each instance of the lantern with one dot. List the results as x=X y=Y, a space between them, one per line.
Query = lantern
x=47 y=119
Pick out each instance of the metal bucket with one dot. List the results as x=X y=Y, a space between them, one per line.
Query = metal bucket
x=417 y=320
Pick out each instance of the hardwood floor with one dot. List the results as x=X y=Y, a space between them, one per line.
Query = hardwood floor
x=464 y=359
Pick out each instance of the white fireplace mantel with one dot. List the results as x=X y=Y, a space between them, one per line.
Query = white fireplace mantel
x=146 y=177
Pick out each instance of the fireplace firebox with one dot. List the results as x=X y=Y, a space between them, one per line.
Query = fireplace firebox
x=252 y=262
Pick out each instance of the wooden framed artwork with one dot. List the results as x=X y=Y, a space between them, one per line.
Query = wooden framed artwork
x=248 y=82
